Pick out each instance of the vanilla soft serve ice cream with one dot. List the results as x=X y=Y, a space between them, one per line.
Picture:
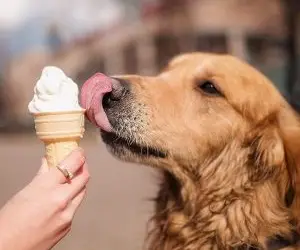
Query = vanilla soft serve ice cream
x=54 y=92
x=58 y=117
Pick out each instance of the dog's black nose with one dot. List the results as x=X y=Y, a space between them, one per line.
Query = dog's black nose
x=120 y=89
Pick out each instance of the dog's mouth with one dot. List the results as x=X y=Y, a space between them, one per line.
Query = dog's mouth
x=92 y=94
x=94 y=98
x=120 y=144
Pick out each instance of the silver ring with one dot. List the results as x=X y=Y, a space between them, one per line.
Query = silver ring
x=65 y=172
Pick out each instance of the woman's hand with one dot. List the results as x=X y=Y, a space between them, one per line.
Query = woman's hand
x=41 y=214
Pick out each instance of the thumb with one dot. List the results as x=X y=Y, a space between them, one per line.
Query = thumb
x=44 y=167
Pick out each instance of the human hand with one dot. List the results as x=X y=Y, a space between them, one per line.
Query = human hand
x=41 y=214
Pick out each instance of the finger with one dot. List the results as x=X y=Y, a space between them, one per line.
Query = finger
x=69 y=212
x=73 y=162
x=72 y=188
x=59 y=235
x=76 y=202
x=44 y=167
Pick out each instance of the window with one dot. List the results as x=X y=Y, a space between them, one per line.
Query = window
x=131 y=60
x=216 y=43
x=269 y=55
x=266 y=50
x=167 y=47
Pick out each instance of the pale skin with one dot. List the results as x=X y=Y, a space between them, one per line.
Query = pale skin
x=41 y=214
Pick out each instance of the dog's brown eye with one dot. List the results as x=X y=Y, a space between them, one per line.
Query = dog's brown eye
x=209 y=88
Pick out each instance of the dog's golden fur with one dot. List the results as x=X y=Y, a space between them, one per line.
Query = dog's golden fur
x=231 y=159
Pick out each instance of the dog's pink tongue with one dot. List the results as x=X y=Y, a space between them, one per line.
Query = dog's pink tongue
x=91 y=96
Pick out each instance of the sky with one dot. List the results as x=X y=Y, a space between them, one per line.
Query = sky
x=24 y=23
x=74 y=17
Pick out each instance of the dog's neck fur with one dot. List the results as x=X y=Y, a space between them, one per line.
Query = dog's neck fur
x=218 y=213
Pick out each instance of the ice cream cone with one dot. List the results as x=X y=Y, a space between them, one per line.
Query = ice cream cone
x=60 y=132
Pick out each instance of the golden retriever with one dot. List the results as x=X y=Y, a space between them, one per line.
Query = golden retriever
x=225 y=140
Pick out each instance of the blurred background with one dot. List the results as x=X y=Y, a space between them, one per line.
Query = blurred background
x=124 y=36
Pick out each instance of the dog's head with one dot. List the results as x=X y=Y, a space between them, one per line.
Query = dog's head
x=208 y=117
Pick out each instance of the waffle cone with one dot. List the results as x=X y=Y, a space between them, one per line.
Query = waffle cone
x=60 y=133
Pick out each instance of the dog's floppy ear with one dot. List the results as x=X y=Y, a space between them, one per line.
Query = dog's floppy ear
x=290 y=133
x=292 y=149
x=267 y=153
x=275 y=146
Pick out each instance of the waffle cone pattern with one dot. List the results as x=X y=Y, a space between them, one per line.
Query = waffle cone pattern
x=60 y=133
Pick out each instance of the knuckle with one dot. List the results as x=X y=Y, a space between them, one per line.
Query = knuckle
x=87 y=177
x=76 y=158
x=60 y=201
x=82 y=160
x=66 y=219
x=80 y=156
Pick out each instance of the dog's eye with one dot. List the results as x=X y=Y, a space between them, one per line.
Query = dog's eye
x=209 y=88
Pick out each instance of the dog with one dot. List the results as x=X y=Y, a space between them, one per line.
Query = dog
x=227 y=145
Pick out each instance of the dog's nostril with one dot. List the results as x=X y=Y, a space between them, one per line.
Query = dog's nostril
x=117 y=93
x=119 y=90
x=112 y=97
x=106 y=101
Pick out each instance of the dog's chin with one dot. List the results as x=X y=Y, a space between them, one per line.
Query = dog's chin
x=128 y=150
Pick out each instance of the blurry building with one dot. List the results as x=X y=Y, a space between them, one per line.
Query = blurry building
x=253 y=30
